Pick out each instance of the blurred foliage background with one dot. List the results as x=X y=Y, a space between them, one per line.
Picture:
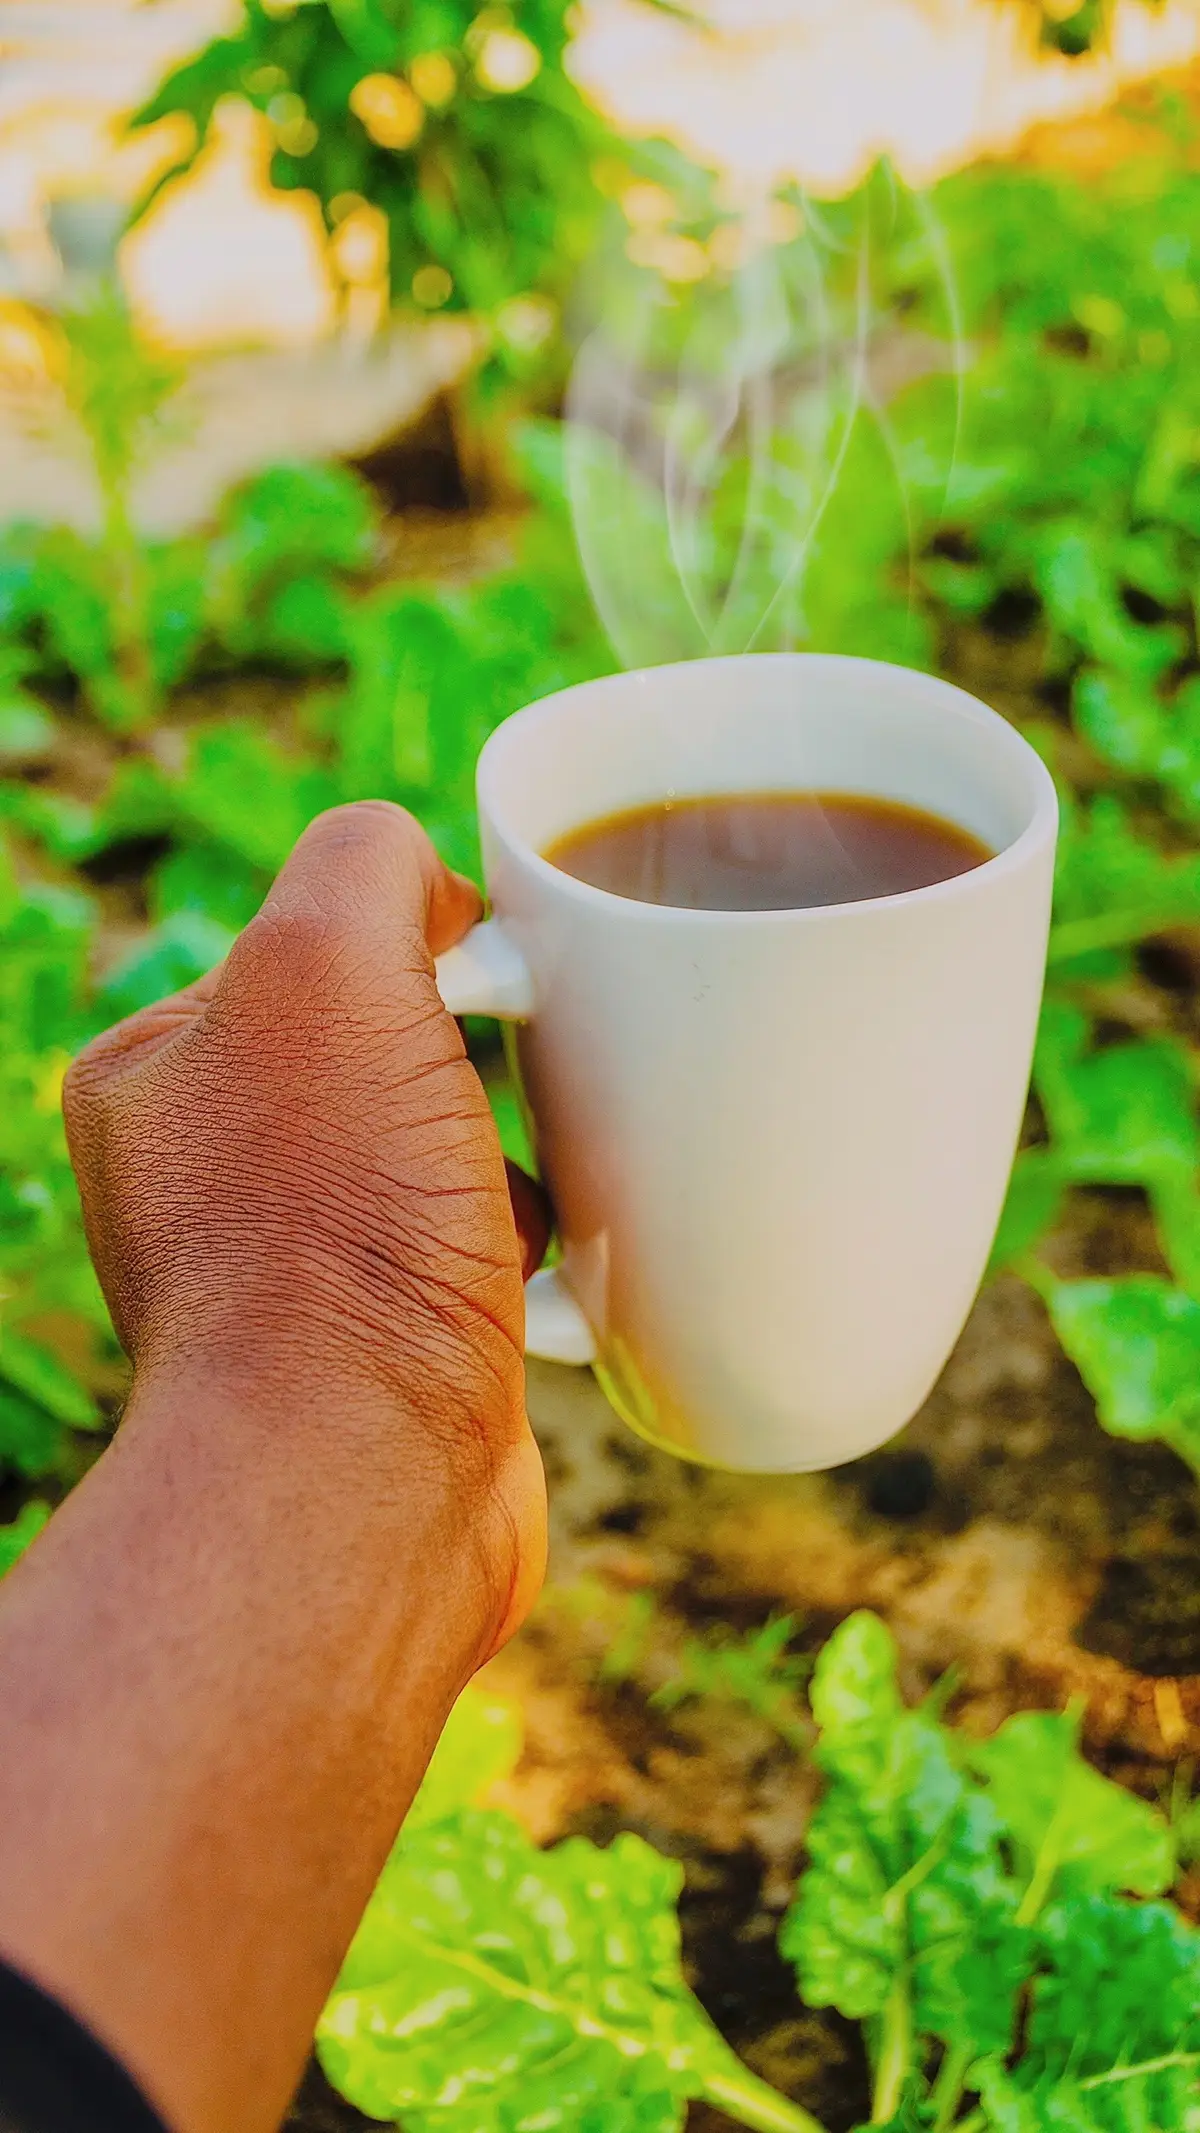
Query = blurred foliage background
x=959 y=429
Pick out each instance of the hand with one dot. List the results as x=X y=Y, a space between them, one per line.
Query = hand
x=290 y=1172
x=323 y=1507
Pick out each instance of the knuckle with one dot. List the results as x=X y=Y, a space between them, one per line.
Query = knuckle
x=296 y=944
x=342 y=968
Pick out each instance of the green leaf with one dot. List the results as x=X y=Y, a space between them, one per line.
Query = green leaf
x=242 y=790
x=26 y=731
x=480 y=1743
x=492 y=1987
x=291 y=519
x=906 y=1888
x=170 y=957
x=847 y=1946
x=306 y=622
x=1113 y=2035
x=31 y=1440
x=24 y=1528
x=19 y=545
x=1076 y=573
x=1006 y=2108
x=210 y=881
x=63 y=825
x=854 y=1685
x=1179 y=764
x=405 y=652
x=37 y=1373
x=1136 y=1345
x=1073 y=1828
x=1124 y=721
x=197 y=86
x=510 y=1122
x=1176 y=1203
x=176 y=620
x=141 y=802
x=1121 y=1116
x=74 y=603
x=1112 y=887
x=1035 y=1195
x=1135 y=731
x=366 y=29
x=753 y=1667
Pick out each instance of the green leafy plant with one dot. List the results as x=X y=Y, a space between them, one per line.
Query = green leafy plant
x=130 y=620
x=1069 y=529
x=988 y=1910
x=492 y=1986
x=45 y=1274
x=111 y=610
x=757 y=1670
x=1120 y=1115
x=458 y=123
x=973 y=1905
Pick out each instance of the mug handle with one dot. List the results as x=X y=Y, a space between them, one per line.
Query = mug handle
x=487 y=975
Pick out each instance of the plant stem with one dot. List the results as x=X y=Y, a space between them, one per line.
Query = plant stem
x=1117 y=929
x=130 y=606
x=895 y=2054
x=1039 y=1888
x=948 y=2088
x=751 y=2102
x=1142 y=2072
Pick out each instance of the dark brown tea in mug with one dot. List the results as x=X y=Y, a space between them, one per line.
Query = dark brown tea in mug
x=771 y=851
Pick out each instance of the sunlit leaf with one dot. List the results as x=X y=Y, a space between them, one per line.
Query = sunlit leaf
x=1075 y=1828
x=480 y=1743
x=1136 y=1345
x=17 y=1535
x=492 y=1987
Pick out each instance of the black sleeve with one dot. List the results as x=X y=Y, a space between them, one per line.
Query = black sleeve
x=54 y=2076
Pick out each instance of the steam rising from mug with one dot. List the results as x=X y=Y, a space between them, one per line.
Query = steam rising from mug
x=709 y=429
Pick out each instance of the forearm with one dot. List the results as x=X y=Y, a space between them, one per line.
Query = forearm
x=222 y=1672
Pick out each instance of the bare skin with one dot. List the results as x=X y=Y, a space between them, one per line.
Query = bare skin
x=224 y=1665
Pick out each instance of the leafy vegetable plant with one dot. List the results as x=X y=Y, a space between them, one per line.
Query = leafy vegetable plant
x=756 y=1670
x=987 y=1911
x=458 y=124
x=1069 y=533
x=129 y=619
x=1122 y=1115
x=44 y=1268
x=493 y=1987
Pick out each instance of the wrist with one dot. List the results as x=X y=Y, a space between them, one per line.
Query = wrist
x=394 y=1477
x=297 y=1322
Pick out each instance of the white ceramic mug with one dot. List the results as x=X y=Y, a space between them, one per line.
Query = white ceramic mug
x=778 y=1142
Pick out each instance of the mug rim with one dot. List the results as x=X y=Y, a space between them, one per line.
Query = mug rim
x=1040 y=830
